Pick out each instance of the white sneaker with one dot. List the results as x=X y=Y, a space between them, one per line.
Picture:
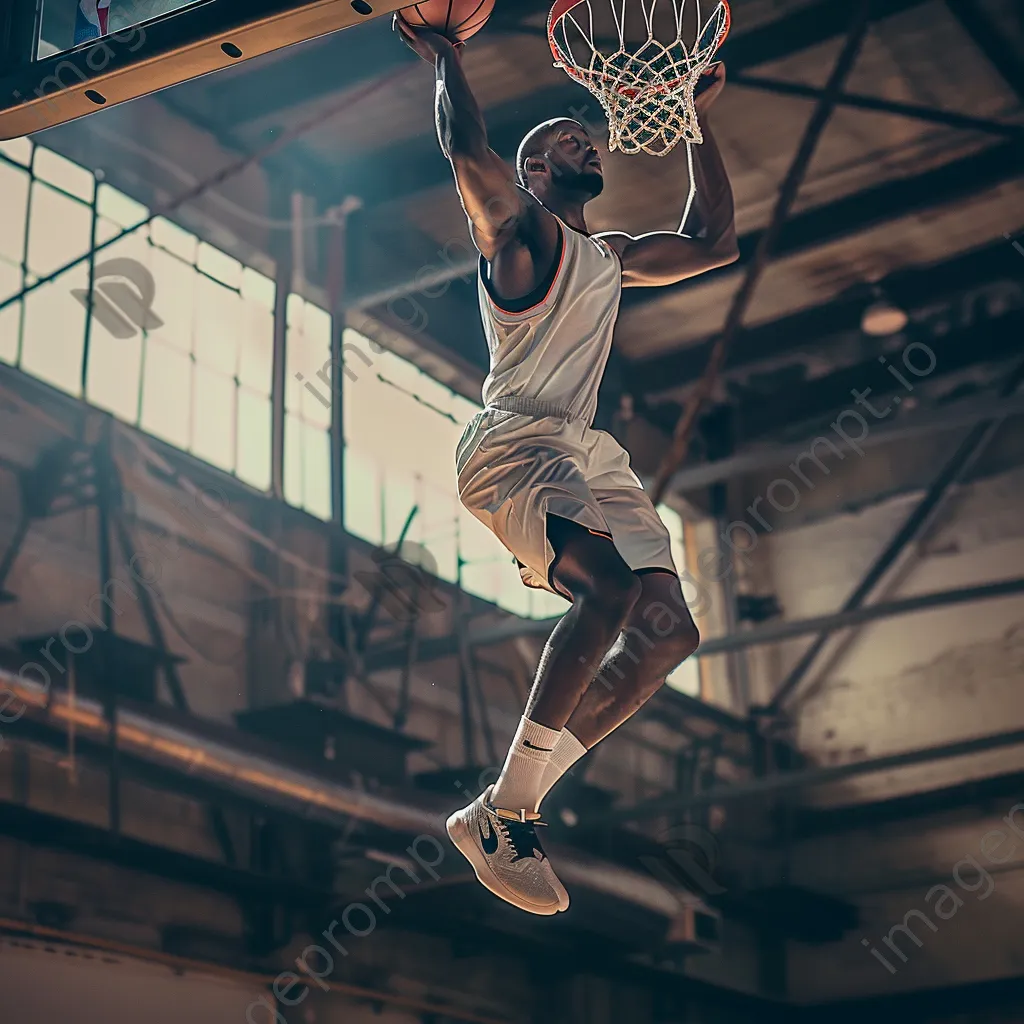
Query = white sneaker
x=506 y=856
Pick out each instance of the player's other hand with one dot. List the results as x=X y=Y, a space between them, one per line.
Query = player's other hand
x=709 y=88
x=424 y=41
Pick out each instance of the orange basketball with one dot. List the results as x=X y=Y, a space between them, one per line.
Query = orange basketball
x=456 y=19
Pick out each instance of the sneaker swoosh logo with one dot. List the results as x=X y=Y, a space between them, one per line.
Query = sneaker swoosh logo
x=547 y=750
x=489 y=842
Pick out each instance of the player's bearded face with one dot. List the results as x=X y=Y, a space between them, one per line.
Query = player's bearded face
x=576 y=166
x=575 y=175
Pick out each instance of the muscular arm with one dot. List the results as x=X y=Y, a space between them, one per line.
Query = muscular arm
x=513 y=232
x=667 y=257
x=493 y=203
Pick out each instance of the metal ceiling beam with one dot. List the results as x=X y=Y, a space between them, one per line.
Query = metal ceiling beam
x=225 y=763
x=933 y=421
x=818 y=402
x=962 y=462
x=415 y=165
x=857 y=101
x=992 y=41
x=911 y=288
x=765 y=252
x=853 y=214
x=770 y=633
x=805 y=231
x=811 y=777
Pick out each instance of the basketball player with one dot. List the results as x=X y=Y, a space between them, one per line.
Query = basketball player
x=558 y=494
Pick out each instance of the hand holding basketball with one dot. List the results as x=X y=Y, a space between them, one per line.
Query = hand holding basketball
x=424 y=41
x=456 y=20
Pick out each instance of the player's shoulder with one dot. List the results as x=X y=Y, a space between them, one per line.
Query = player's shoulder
x=617 y=241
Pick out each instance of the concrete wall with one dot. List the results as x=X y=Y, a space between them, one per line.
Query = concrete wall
x=916 y=680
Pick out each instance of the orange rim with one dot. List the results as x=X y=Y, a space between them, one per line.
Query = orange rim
x=562 y=7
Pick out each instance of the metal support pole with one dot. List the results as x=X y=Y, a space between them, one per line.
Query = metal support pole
x=13 y=550
x=773 y=632
x=912 y=111
x=813 y=777
x=964 y=459
x=282 y=289
x=215 y=816
x=337 y=291
x=992 y=41
x=106 y=497
x=787 y=195
x=935 y=421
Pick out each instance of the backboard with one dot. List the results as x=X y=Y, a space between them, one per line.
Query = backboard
x=63 y=59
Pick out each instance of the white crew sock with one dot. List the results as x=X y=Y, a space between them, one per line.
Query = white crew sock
x=519 y=786
x=568 y=750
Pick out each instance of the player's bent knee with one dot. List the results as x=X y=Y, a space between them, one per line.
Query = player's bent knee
x=672 y=650
x=685 y=642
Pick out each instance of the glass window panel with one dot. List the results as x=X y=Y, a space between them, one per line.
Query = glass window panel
x=316 y=463
x=13 y=209
x=686 y=678
x=175 y=299
x=434 y=393
x=54 y=331
x=174 y=239
x=476 y=542
x=10 y=280
x=362 y=496
x=253 y=462
x=295 y=309
x=133 y=246
x=317 y=328
x=60 y=171
x=546 y=605
x=219 y=265
x=398 y=371
x=256 y=357
x=514 y=597
x=121 y=209
x=166 y=393
x=114 y=372
x=316 y=404
x=463 y=410
x=482 y=579
x=293 y=461
x=674 y=524
x=259 y=288
x=60 y=228
x=438 y=517
x=19 y=150
x=399 y=498
x=213 y=417
x=10 y=326
x=217 y=326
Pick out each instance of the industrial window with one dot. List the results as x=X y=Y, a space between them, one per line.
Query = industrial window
x=401 y=431
x=190 y=363
x=307 y=401
x=686 y=678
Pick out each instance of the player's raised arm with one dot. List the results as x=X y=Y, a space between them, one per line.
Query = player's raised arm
x=706 y=239
x=486 y=184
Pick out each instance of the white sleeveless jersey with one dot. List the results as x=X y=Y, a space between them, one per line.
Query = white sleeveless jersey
x=553 y=355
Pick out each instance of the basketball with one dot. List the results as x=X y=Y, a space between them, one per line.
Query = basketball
x=456 y=19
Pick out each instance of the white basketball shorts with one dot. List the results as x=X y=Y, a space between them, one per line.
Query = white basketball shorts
x=514 y=469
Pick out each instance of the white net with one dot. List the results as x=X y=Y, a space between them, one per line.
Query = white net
x=642 y=59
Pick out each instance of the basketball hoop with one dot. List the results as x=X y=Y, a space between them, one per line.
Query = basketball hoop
x=647 y=80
